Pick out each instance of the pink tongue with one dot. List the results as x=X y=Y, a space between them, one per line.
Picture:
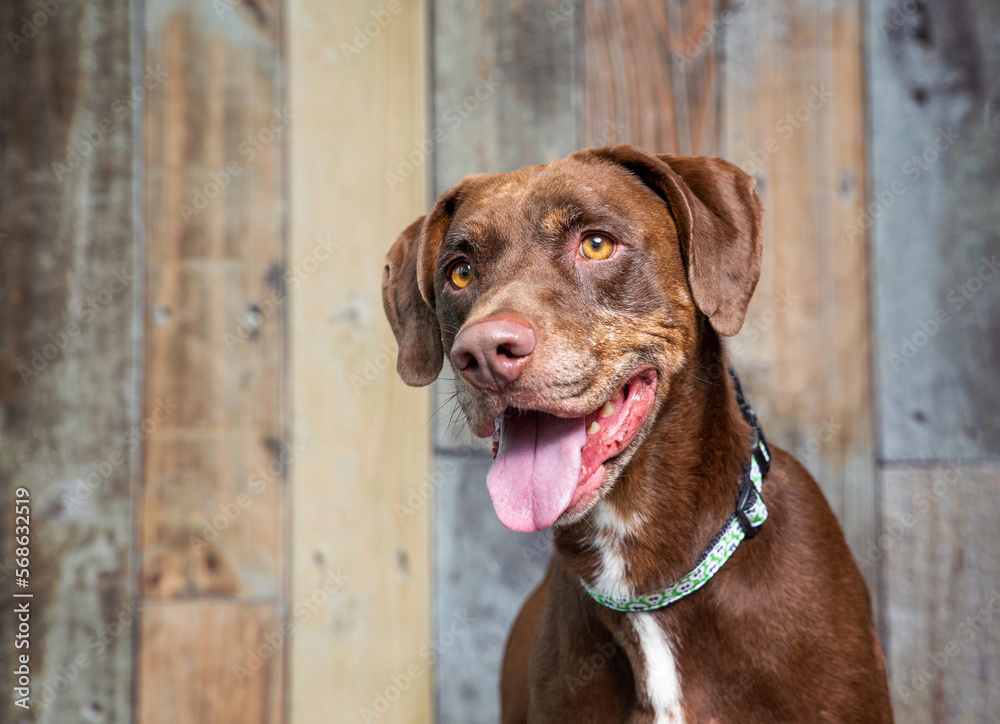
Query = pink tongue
x=536 y=470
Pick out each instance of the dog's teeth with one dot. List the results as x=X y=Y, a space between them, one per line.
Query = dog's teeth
x=594 y=428
x=608 y=410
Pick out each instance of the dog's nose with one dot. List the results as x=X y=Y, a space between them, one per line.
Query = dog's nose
x=491 y=354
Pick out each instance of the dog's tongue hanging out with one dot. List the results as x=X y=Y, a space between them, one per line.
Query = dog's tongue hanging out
x=537 y=468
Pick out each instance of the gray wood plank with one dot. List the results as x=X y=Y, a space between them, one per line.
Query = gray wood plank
x=939 y=544
x=483 y=574
x=69 y=331
x=934 y=212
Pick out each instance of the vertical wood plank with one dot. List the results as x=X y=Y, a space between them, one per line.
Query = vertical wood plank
x=357 y=80
x=214 y=662
x=650 y=75
x=212 y=507
x=794 y=118
x=934 y=215
x=939 y=544
x=68 y=362
x=214 y=485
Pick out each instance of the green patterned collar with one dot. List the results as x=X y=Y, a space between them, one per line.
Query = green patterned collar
x=747 y=519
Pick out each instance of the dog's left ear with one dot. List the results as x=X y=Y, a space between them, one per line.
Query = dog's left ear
x=720 y=222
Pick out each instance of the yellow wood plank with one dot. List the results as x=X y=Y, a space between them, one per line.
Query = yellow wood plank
x=358 y=95
x=210 y=662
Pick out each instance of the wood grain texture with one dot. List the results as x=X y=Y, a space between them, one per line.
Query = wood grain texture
x=357 y=84
x=210 y=661
x=484 y=572
x=934 y=219
x=650 y=76
x=794 y=118
x=68 y=360
x=938 y=541
x=212 y=505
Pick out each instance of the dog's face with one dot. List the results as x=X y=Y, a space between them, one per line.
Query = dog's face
x=567 y=297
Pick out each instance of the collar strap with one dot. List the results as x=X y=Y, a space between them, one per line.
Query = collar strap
x=747 y=519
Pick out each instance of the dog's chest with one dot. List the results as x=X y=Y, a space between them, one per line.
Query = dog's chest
x=657 y=680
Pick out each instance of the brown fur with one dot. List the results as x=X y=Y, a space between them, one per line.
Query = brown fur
x=783 y=632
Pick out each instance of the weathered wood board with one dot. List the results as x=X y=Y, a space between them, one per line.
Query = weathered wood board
x=210 y=661
x=939 y=543
x=68 y=353
x=649 y=75
x=793 y=109
x=212 y=502
x=935 y=223
x=483 y=572
x=358 y=94
x=212 y=506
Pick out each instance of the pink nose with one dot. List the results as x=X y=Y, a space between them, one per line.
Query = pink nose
x=491 y=354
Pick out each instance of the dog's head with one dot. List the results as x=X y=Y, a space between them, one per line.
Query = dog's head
x=566 y=297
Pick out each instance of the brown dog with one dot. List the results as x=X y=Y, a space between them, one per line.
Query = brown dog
x=582 y=303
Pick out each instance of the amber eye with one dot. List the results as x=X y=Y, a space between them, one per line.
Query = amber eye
x=596 y=246
x=461 y=274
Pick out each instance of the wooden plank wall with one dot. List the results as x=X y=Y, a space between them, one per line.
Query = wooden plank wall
x=357 y=91
x=69 y=354
x=934 y=216
x=195 y=200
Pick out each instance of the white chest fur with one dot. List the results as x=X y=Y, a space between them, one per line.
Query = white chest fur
x=662 y=683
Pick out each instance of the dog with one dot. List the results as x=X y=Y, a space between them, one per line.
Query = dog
x=699 y=575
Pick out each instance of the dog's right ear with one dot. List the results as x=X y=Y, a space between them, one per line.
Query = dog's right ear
x=410 y=315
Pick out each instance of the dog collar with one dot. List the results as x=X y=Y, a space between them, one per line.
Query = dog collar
x=747 y=519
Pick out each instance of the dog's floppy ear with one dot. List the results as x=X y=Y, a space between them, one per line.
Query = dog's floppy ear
x=720 y=222
x=410 y=315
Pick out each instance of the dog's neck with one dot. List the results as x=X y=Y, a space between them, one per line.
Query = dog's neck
x=677 y=491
